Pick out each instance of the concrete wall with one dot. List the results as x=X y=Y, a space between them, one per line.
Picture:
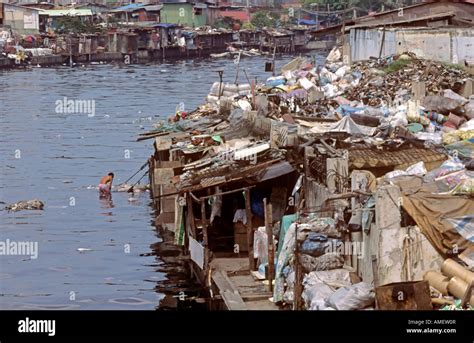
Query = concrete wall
x=430 y=45
x=463 y=47
x=366 y=43
x=399 y=253
x=447 y=45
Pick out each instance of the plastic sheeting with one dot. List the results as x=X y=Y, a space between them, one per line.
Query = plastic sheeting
x=286 y=221
x=464 y=225
x=347 y=125
x=286 y=253
x=354 y=297
x=433 y=213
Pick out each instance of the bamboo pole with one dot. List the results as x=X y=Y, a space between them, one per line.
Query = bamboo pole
x=249 y=230
x=271 y=248
x=205 y=238
x=192 y=222
x=298 y=287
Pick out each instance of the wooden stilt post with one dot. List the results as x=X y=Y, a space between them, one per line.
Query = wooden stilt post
x=249 y=230
x=205 y=238
x=271 y=248
x=192 y=223
x=298 y=287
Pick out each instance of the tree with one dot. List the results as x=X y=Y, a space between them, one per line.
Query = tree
x=263 y=19
x=72 y=24
x=366 y=5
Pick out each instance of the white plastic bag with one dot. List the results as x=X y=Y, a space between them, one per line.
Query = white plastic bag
x=417 y=169
x=355 y=297
x=306 y=84
x=342 y=71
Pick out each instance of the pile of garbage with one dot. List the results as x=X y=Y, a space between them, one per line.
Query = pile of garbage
x=366 y=102
x=369 y=111
x=380 y=86
x=334 y=290
x=329 y=284
x=369 y=95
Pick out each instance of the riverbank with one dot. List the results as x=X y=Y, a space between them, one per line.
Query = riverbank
x=144 y=57
x=142 y=44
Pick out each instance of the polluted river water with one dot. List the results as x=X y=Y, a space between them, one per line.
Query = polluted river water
x=89 y=253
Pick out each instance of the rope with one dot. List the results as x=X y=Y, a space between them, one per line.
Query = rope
x=141 y=168
x=406 y=252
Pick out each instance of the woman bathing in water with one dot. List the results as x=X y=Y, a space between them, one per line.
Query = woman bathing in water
x=105 y=184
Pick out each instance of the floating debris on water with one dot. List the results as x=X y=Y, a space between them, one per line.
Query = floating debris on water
x=33 y=204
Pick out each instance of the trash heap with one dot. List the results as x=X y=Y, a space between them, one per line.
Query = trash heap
x=380 y=85
x=353 y=133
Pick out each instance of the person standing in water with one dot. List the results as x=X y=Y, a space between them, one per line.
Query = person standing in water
x=105 y=184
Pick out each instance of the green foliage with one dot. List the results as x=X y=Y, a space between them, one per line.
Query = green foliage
x=264 y=19
x=396 y=66
x=70 y=24
x=336 y=5
x=453 y=66
x=224 y=22
x=248 y=26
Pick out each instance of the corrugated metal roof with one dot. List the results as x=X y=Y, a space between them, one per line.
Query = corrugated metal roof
x=128 y=8
x=134 y=7
x=73 y=12
x=277 y=170
x=374 y=158
x=153 y=7
x=20 y=6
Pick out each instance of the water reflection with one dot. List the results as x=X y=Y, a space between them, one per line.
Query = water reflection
x=106 y=201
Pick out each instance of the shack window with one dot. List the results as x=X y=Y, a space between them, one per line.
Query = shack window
x=197 y=11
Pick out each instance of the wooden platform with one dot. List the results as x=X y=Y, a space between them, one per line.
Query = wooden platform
x=238 y=288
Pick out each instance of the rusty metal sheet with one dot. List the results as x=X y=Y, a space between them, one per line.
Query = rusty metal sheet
x=211 y=181
x=277 y=170
x=371 y=158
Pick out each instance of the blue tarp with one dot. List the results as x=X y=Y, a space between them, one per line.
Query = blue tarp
x=128 y=7
x=346 y=109
x=307 y=22
x=165 y=25
x=464 y=225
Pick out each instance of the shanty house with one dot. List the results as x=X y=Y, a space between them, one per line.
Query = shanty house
x=20 y=19
x=49 y=18
x=186 y=13
x=96 y=8
x=138 y=13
